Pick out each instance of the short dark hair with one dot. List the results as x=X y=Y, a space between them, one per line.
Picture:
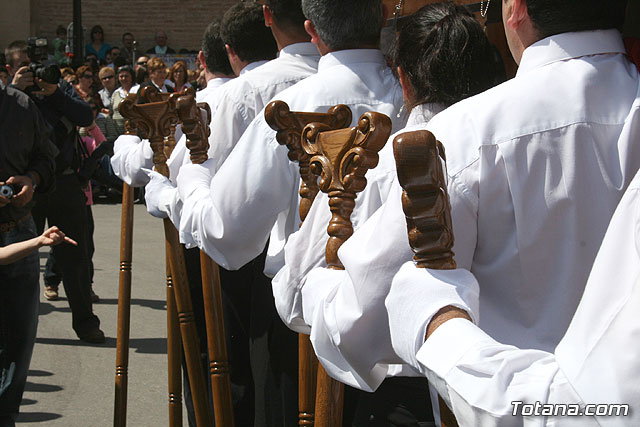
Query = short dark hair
x=127 y=34
x=17 y=46
x=445 y=54
x=60 y=30
x=127 y=69
x=243 y=29
x=562 y=16
x=215 y=55
x=288 y=14
x=345 y=24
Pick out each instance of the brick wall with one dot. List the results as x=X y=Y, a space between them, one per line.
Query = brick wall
x=184 y=21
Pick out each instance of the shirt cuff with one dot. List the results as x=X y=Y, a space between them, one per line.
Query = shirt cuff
x=448 y=344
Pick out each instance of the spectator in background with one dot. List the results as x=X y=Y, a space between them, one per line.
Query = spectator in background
x=126 y=77
x=59 y=46
x=141 y=62
x=4 y=77
x=16 y=56
x=108 y=80
x=112 y=54
x=161 y=47
x=128 y=52
x=97 y=45
x=158 y=74
x=142 y=75
x=85 y=81
x=179 y=75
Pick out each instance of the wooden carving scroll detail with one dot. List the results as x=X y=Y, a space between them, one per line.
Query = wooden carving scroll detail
x=341 y=158
x=425 y=201
x=289 y=125
x=195 y=127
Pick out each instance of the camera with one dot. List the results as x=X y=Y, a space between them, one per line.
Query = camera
x=8 y=190
x=48 y=73
x=37 y=48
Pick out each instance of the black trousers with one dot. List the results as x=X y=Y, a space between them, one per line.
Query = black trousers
x=65 y=207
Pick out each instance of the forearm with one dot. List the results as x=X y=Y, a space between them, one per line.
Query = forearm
x=16 y=251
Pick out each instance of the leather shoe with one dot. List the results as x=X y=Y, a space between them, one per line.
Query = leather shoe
x=93 y=336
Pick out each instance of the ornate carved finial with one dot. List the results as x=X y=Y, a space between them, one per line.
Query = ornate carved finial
x=194 y=126
x=289 y=125
x=341 y=158
x=152 y=121
x=425 y=201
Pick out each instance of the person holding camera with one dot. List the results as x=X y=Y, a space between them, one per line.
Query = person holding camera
x=64 y=206
x=26 y=165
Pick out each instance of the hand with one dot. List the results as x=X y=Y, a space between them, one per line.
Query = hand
x=23 y=78
x=53 y=236
x=192 y=177
x=46 y=89
x=155 y=193
x=26 y=191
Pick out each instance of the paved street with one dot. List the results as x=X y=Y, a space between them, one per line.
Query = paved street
x=71 y=383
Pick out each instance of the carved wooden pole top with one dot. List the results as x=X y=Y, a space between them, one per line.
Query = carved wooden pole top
x=341 y=158
x=195 y=126
x=425 y=201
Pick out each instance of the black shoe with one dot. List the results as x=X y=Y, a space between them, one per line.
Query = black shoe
x=93 y=336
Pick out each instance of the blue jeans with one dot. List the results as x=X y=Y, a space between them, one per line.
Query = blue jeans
x=19 y=299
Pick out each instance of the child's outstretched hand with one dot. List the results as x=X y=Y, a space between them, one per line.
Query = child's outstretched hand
x=53 y=236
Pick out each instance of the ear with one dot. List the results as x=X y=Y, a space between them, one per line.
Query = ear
x=268 y=15
x=202 y=60
x=311 y=30
x=230 y=52
x=517 y=13
x=407 y=90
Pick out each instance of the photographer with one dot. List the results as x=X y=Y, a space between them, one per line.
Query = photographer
x=63 y=110
x=26 y=164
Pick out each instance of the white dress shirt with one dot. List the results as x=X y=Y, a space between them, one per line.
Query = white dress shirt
x=305 y=249
x=596 y=362
x=257 y=187
x=536 y=167
x=244 y=97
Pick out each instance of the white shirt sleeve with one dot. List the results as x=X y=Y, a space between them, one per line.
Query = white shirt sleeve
x=130 y=156
x=232 y=217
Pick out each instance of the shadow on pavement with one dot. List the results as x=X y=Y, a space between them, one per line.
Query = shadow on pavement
x=41 y=388
x=36 y=417
x=148 y=303
x=139 y=345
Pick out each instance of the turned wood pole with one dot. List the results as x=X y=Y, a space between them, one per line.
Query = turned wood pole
x=289 y=125
x=425 y=201
x=153 y=121
x=196 y=129
x=341 y=158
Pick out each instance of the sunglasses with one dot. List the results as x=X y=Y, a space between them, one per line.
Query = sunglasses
x=107 y=77
x=141 y=63
x=87 y=76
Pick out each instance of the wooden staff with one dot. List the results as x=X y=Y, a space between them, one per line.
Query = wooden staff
x=124 y=303
x=197 y=132
x=341 y=158
x=425 y=201
x=153 y=121
x=289 y=125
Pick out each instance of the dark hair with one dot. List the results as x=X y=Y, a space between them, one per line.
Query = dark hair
x=127 y=69
x=14 y=47
x=562 y=16
x=243 y=29
x=288 y=14
x=345 y=24
x=95 y=29
x=61 y=30
x=127 y=34
x=142 y=75
x=3 y=69
x=213 y=48
x=445 y=54
x=177 y=65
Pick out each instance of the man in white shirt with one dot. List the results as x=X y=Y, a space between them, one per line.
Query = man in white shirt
x=488 y=383
x=536 y=167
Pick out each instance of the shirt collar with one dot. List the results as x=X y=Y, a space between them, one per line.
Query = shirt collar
x=350 y=56
x=562 y=47
x=252 y=66
x=423 y=113
x=303 y=49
